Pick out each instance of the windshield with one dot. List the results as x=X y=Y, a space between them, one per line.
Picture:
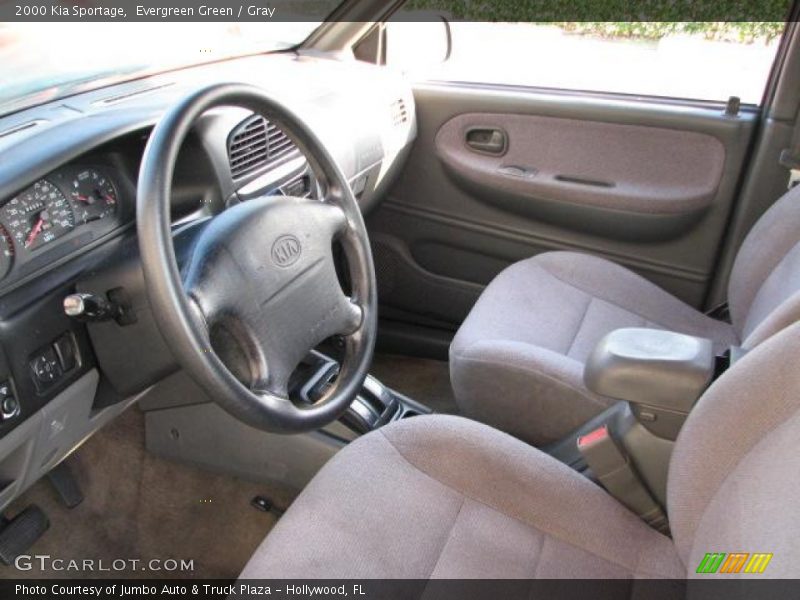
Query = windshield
x=45 y=61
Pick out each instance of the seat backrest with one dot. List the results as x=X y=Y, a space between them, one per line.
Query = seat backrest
x=734 y=478
x=764 y=288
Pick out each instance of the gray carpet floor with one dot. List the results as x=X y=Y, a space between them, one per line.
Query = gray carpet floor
x=137 y=506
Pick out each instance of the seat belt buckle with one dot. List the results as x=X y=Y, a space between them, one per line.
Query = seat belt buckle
x=794 y=178
x=601 y=452
x=721 y=312
x=791 y=160
x=610 y=463
x=598 y=436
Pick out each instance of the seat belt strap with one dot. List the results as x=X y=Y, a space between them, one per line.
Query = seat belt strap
x=613 y=468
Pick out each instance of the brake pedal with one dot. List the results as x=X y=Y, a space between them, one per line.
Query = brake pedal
x=66 y=485
x=19 y=534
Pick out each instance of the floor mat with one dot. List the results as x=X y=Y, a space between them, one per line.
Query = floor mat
x=140 y=507
x=421 y=379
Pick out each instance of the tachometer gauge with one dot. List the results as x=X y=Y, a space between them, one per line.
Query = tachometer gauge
x=93 y=196
x=38 y=215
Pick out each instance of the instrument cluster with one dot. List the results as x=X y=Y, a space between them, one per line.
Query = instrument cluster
x=78 y=203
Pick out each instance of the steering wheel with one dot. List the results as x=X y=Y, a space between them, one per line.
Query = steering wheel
x=260 y=289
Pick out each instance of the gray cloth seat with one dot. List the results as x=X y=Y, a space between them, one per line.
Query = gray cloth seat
x=517 y=361
x=446 y=497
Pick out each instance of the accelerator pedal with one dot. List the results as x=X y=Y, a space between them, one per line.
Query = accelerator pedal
x=19 y=534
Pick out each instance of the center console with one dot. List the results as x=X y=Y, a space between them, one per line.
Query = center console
x=657 y=376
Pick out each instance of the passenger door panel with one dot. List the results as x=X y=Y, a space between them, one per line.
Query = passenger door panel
x=586 y=175
x=646 y=183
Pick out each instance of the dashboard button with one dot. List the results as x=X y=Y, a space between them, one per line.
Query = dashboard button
x=9 y=407
x=65 y=350
x=45 y=368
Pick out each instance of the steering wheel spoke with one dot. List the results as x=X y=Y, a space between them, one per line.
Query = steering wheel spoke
x=352 y=318
x=272 y=388
x=198 y=316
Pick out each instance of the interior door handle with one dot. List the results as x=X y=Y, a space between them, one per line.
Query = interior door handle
x=489 y=140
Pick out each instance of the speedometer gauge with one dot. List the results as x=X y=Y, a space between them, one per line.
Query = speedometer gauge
x=38 y=215
x=93 y=196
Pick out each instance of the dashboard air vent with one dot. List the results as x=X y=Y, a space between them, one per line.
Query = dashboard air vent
x=399 y=112
x=255 y=143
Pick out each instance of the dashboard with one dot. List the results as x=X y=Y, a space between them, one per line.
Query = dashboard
x=363 y=114
x=68 y=224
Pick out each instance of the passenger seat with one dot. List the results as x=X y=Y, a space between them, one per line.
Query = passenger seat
x=517 y=361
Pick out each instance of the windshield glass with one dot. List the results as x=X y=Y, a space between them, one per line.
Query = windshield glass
x=45 y=61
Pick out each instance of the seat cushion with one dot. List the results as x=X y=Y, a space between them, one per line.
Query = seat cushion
x=517 y=361
x=445 y=497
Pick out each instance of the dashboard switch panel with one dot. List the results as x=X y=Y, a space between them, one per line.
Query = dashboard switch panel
x=49 y=364
x=65 y=350
x=45 y=368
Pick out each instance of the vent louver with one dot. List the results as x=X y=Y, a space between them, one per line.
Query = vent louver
x=399 y=112
x=254 y=144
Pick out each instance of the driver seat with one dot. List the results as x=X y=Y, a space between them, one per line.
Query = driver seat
x=445 y=497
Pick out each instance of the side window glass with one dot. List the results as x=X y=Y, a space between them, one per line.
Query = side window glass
x=698 y=61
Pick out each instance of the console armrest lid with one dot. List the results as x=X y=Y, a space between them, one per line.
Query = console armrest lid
x=649 y=366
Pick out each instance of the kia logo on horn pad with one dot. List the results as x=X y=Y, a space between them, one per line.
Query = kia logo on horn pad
x=286 y=250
